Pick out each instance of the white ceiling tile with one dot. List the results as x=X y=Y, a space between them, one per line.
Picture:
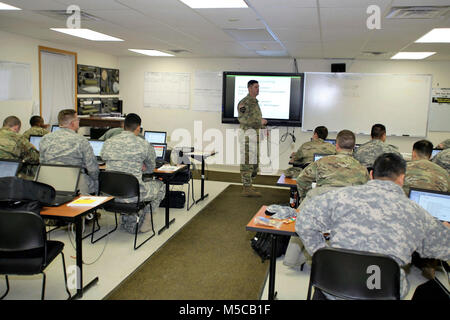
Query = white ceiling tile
x=232 y=18
x=279 y=17
x=297 y=34
x=93 y=4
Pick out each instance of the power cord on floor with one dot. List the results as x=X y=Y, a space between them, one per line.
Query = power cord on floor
x=70 y=229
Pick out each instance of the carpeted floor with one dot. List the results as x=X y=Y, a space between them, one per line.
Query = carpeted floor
x=210 y=258
x=235 y=177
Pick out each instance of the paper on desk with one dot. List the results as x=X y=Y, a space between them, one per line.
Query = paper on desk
x=168 y=167
x=87 y=201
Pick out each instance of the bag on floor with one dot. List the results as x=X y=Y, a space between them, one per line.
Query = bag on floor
x=177 y=200
x=262 y=244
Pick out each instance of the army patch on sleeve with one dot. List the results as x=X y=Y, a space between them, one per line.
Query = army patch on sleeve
x=242 y=108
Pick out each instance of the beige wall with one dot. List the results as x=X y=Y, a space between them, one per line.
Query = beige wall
x=17 y=48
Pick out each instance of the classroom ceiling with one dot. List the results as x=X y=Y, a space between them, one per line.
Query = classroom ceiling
x=315 y=29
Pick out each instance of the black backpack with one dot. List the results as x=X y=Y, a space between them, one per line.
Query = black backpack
x=262 y=244
x=20 y=194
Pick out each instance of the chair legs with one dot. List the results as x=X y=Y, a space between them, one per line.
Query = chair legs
x=109 y=232
x=65 y=274
x=7 y=287
x=137 y=226
x=189 y=189
x=43 y=286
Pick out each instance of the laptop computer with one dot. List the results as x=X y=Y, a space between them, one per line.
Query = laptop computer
x=55 y=127
x=435 y=152
x=332 y=141
x=318 y=156
x=155 y=136
x=437 y=203
x=9 y=168
x=356 y=147
x=35 y=140
x=61 y=177
x=97 y=146
x=160 y=150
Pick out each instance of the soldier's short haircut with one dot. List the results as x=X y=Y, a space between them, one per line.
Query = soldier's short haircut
x=423 y=148
x=378 y=130
x=36 y=121
x=66 y=116
x=251 y=82
x=389 y=165
x=322 y=132
x=346 y=139
x=11 y=121
x=132 y=121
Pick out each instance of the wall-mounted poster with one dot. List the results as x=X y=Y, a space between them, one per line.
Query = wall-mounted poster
x=88 y=79
x=109 y=81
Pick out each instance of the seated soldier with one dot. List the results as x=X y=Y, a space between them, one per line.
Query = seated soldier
x=422 y=173
x=305 y=154
x=444 y=144
x=38 y=128
x=376 y=217
x=15 y=147
x=126 y=152
x=329 y=173
x=369 y=151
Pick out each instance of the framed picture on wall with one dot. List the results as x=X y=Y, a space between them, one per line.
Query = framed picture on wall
x=109 y=81
x=88 y=79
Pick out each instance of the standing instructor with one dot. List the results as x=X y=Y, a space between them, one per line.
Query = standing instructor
x=250 y=119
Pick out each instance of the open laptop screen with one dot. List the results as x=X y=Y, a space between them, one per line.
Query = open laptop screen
x=318 y=156
x=96 y=146
x=332 y=141
x=435 y=152
x=160 y=150
x=155 y=136
x=435 y=202
x=8 y=168
x=55 y=127
x=61 y=178
x=35 y=140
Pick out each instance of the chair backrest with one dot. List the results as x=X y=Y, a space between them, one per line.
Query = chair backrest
x=21 y=230
x=118 y=184
x=350 y=274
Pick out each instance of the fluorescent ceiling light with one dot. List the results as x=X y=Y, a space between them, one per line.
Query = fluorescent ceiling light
x=437 y=35
x=86 y=34
x=154 y=53
x=214 y=4
x=4 y=6
x=412 y=55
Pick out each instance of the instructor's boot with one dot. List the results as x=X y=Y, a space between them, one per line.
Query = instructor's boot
x=250 y=192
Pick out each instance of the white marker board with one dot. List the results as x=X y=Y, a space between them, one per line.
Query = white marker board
x=356 y=101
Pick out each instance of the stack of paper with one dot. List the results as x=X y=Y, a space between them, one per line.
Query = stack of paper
x=87 y=201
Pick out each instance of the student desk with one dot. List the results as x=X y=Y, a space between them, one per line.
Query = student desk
x=74 y=215
x=201 y=156
x=284 y=230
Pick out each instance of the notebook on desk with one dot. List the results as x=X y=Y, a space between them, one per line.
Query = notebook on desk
x=9 y=168
x=97 y=146
x=64 y=179
x=437 y=203
x=35 y=140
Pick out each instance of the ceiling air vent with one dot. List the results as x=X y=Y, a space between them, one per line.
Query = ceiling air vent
x=422 y=12
x=63 y=15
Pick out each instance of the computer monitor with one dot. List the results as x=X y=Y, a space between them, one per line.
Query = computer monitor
x=35 y=140
x=60 y=177
x=318 y=156
x=9 y=168
x=437 y=203
x=155 y=136
x=55 y=127
x=96 y=146
x=332 y=141
x=160 y=150
x=435 y=152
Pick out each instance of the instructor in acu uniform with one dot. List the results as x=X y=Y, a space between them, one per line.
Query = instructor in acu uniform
x=250 y=119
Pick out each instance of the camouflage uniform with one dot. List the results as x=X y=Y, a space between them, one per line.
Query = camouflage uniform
x=35 y=131
x=445 y=144
x=14 y=146
x=110 y=133
x=369 y=151
x=425 y=174
x=65 y=146
x=338 y=170
x=126 y=152
x=305 y=154
x=376 y=217
x=443 y=159
x=249 y=116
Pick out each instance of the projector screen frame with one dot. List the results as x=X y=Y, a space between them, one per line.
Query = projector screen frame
x=270 y=121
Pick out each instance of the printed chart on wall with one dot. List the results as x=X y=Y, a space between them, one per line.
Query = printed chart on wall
x=207 y=94
x=439 y=117
x=169 y=90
